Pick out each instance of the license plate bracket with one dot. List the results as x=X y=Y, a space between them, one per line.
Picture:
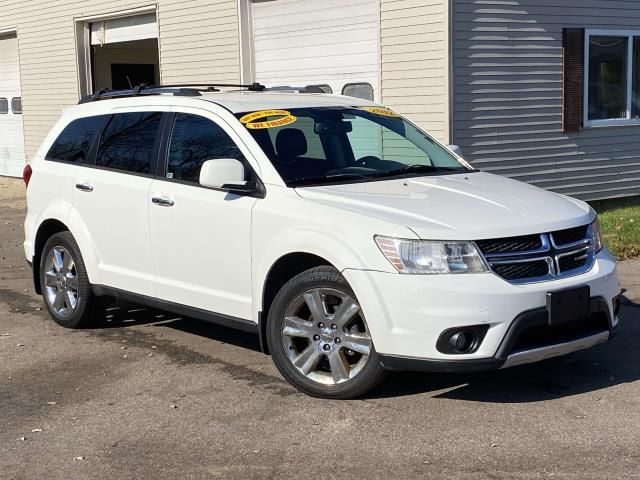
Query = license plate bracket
x=569 y=305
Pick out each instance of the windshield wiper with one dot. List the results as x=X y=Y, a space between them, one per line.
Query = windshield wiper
x=328 y=178
x=408 y=169
x=417 y=168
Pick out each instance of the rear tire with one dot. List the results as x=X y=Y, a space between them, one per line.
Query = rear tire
x=329 y=353
x=65 y=284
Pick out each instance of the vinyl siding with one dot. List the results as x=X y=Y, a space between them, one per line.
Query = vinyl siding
x=199 y=42
x=507 y=100
x=414 y=61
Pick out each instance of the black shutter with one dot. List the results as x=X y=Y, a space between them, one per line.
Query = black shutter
x=573 y=83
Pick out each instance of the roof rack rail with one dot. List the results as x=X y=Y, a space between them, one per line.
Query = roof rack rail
x=183 y=89
x=213 y=87
x=304 y=89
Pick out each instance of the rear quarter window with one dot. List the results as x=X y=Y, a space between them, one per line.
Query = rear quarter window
x=75 y=141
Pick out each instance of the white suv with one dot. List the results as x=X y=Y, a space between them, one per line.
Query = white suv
x=343 y=235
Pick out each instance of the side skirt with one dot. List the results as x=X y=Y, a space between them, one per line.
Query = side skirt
x=182 y=310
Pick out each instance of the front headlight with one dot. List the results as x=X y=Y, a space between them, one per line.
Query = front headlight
x=428 y=257
x=596 y=239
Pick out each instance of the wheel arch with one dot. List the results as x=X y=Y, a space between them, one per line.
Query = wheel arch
x=283 y=269
x=53 y=224
x=46 y=229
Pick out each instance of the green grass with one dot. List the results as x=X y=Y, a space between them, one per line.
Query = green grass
x=620 y=228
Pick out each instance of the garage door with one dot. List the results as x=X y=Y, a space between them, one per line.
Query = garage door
x=307 y=42
x=12 y=156
x=124 y=29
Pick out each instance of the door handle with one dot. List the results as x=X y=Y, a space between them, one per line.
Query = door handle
x=84 y=187
x=162 y=201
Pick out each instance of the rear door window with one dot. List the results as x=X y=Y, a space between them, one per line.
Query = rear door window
x=75 y=141
x=128 y=142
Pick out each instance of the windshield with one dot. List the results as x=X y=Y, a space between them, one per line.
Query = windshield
x=328 y=145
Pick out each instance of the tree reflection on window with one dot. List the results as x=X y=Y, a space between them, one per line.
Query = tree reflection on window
x=194 y=140
x=128 y=142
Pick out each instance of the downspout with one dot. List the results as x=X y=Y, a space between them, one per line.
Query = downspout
x=450 y=87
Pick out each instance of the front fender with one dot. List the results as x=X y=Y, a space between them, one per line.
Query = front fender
x=300 y=240
x=285 y=223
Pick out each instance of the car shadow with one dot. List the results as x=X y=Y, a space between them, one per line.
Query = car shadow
x=612 y=363
x=215 y=332
x=121 y=314
x=603 y=366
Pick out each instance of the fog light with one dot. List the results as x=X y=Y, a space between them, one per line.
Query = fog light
x=463 y=341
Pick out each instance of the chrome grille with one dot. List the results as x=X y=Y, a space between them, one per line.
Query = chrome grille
x=569 y=236
x=573 y=260
x=513 y=244
x=518 y=271
x=540 y=257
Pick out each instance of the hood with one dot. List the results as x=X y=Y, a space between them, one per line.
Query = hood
x=470 y=206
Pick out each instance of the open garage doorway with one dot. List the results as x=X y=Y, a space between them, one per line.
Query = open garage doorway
x=125 y=64
x=119 y=52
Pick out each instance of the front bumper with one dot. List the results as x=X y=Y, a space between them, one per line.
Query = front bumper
x=512 y=351
x=406 y=314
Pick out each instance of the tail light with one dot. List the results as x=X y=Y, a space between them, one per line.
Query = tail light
x=26 y=174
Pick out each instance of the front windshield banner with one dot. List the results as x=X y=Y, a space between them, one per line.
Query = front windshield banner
x=383 y=111
x=282 y=118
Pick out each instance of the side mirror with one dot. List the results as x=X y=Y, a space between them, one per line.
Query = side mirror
x=455 y=149
x=227 y=173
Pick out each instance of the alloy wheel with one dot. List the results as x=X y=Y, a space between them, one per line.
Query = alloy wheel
x=61 y=282
x=325 y=336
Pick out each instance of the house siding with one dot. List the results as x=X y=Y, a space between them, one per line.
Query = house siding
x=198 y=42
x=507 y=96
x=414 y=48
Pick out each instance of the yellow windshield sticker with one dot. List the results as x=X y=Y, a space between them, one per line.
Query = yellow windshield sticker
x=382 y=111
x=284 y=118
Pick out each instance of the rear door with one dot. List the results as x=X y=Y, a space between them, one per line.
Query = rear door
x=111 y=196
x=201 y=237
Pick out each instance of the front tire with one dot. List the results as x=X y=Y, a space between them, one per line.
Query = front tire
x=319 y=339
x=65 y=284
